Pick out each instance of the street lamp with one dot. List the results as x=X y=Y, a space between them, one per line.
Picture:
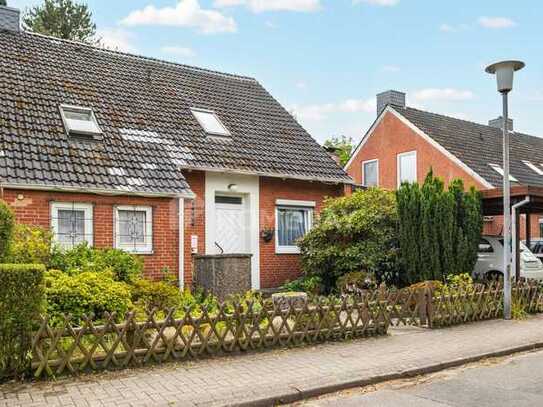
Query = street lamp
x=504 y=75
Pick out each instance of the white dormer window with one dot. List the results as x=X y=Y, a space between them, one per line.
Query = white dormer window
x=499 y=170
x=79 y=120
x=533 y=167
x=210 y=122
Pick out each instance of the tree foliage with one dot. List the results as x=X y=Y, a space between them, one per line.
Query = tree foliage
x=343 y=146
x=439 y=229
x=65 y=19
x=3 y=3
x=353 y=234
x=7 y=224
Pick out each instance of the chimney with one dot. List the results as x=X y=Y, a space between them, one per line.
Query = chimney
x=390 y=97
x=498 y=123
x=9 y=19
x=333 y=153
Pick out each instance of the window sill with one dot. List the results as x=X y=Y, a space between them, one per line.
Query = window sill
x=287 y=250
x=142 y=252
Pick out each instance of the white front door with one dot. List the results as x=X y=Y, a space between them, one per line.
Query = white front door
x=232 y=225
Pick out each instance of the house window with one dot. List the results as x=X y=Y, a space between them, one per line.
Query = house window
x=210 y=122
x=293 y=220
x=499 y=170
x=541 y=227
x=407 y=167
x=71 y=223
x=134 y=228
x=370 y=173
x=79 y=120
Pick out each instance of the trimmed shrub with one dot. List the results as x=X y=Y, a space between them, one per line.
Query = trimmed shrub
x=21 y=302
x=7 y=223
x=30 y=245
x=124 y=266
x=439 y=229
x=150 y=294
x=355 y=233
x=308 y=284
x=87 y=293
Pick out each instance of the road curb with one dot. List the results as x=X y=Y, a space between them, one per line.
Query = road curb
x=294 y=394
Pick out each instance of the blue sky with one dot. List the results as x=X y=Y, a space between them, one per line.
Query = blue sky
x=326 y=59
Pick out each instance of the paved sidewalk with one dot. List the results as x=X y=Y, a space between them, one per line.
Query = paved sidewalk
x=266 y=377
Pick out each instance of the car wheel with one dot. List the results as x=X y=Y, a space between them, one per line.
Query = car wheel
x=494 y=276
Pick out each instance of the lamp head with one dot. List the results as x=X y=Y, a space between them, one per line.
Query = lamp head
x=504 y=73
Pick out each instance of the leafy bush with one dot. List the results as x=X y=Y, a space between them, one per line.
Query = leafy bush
x=21 y=302
x=439 y=230
x=85 y=294
x=308 y=284
x=125 y=266
x=7 y=223
x=151 y=294
x=355 y=233
x=30 y=245
x=356 y=280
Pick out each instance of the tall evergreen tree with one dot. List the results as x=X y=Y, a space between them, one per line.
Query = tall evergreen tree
x=3 y=3
x=65 y=19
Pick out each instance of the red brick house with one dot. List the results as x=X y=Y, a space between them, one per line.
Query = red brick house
x=157 y=158
x=404 y=143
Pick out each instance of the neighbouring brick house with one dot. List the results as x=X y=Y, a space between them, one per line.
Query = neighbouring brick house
x=157 y=158
x=404 y=143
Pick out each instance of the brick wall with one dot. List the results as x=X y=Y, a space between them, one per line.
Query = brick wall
x=275 y=269
x=392 y=137
x=33 y=208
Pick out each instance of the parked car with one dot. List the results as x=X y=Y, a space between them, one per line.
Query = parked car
x=536 y=247
x=490 y=260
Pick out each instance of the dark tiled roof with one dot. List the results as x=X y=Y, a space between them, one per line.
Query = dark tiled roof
x=143 y=107
x=477 y=145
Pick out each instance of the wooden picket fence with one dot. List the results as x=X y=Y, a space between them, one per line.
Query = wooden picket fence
x=67 y=349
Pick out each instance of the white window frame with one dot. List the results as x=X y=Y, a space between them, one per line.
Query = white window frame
x=87 y=208
x=226 y=132
x=141 y=248
x=376 y=160
x=308 y=206
x=533 y=167
x=399 y=169
x=499 y=170
x=64 y=107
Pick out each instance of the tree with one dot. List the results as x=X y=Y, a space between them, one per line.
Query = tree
x=343 y=146
x=3 y=3
x=63 y=19
x=439 y=229
x=353 y=234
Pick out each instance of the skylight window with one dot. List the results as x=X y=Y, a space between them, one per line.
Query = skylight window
x=499 y=170
x=534 y=167
x=79 y=120
x=210 y=122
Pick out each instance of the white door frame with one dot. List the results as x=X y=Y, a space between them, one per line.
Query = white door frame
x=247 y=186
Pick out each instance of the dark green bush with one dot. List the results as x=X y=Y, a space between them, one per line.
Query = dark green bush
x=308 y=284
x=7 y=223
x=355 y=233
x=30 y=245
x=87 y=293
x=439 y=229
x=125 y=267
x=21 y=302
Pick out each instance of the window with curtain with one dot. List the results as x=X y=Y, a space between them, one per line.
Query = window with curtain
x=292 y=224
x=71 y=223
x=407 y=167
x=370 y=173
x=134 y=229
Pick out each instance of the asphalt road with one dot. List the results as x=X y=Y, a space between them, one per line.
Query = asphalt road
x=513 y=381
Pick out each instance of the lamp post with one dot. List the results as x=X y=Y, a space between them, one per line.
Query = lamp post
x=504 y=75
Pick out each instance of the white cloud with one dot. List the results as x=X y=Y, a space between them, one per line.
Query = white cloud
x=453 y=28
x=301 y=85
x=271 y=25
x=187 y=13
x=117 y=39
x=386 y=3
x=446 y=94
x=321 y=112
x=496 y=22
x=177 y=50
x=391 y=68
x=259 y=6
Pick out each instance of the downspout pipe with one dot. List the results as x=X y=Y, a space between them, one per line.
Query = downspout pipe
x=514 y=226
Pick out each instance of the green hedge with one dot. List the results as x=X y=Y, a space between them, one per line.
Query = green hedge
x=21 y=301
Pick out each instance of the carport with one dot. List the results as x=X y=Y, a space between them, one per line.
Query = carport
x=525 y=199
